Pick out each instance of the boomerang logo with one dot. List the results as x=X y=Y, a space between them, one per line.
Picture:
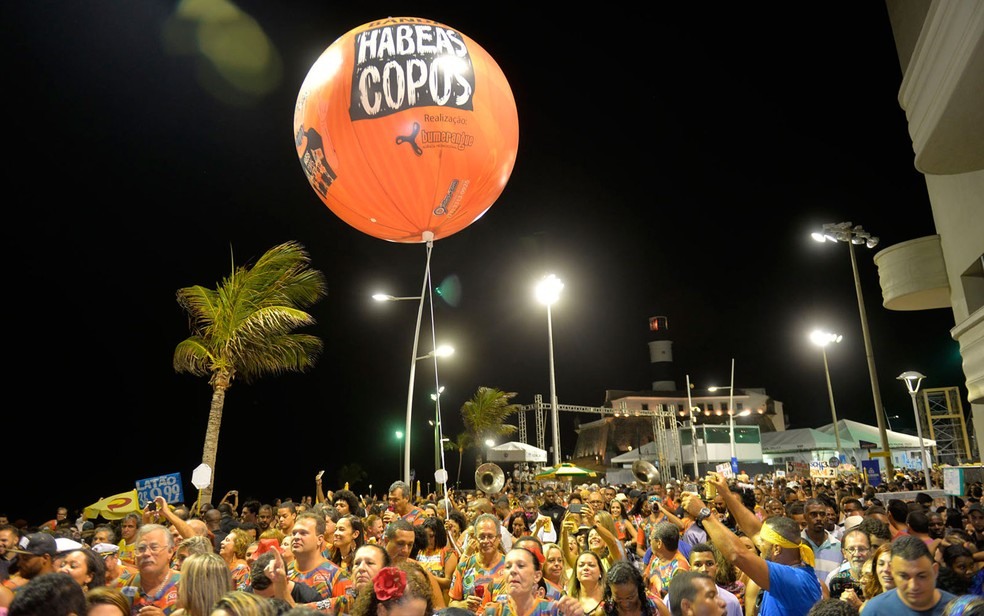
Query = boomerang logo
x=119 y=503
x=411 y=139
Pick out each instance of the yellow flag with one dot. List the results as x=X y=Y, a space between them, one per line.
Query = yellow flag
x=114 y=507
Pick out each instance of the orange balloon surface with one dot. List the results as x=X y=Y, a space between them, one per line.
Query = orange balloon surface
x=406 y=129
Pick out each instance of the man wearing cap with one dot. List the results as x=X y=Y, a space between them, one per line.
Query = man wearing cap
x=35 y=556
x=784 y=571
x=118 y=573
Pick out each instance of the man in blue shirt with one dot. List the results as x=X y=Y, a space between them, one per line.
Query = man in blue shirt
x=915 y=592
x=784 y=571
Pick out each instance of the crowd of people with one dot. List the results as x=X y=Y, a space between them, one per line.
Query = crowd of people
x=767 y=546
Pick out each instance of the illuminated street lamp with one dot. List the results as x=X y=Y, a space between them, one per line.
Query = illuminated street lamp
x=822 y=339
x=845 y=232
x=399 y=437
x=912 y=381
x=547 y=292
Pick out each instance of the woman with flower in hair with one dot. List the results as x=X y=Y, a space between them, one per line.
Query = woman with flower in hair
x=401 y=590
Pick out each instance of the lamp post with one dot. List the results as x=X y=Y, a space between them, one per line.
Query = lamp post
x=547 y=292
x=822 y=339
x=844 y=232
x=731 y=409
x=438 y=437
x=382 y=297
x=437 y=352
x=912 y=381
x=693 y=429
x=399 y=437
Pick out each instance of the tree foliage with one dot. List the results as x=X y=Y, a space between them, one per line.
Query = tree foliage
x=244 y=328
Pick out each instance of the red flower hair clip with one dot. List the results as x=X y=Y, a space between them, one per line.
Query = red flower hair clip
x=389 y=583
x=534 y=549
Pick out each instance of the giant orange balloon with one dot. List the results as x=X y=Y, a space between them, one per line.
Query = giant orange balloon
x=406 y=129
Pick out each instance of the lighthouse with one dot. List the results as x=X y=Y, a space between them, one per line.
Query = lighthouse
x=661 y=355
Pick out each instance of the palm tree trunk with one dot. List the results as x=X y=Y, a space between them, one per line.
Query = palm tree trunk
x=211 y=448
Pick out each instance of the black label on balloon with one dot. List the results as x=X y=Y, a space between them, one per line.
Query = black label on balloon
x=402 y=66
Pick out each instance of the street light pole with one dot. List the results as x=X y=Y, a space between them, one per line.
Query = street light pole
x=912 y=381
x=844 y=232
x=399 y=437
x=438 y=436
x=548 y=292
x=693 y=429
x=437 y=352
x=822 y=339
x=731 y=409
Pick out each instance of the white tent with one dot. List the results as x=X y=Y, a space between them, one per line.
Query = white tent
x=515 y=451
x=870 y=434
x=803 y=439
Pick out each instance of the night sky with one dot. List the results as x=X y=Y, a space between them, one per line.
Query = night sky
x=670 y=163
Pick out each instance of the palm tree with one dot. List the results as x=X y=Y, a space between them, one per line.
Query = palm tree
x=244 y=329
x=462 y=442
x=486 y=413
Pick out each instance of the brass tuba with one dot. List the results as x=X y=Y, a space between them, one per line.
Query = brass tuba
x=645 y=472
x=489 y=478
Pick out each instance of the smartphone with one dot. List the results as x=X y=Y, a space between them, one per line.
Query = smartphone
x=710 y=491
x=575 y=508
x=318 y=476
x=691 y=487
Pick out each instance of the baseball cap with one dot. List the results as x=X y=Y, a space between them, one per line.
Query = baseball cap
x=975 y=507
x=635 y=493
x=105 y=548
x=36 y=544
x=621 y=497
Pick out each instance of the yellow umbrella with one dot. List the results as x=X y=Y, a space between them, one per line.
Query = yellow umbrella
x=564 y=471
x=114 y=507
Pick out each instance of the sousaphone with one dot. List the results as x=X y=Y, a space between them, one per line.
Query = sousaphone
x=645 y=472
x=489 y=478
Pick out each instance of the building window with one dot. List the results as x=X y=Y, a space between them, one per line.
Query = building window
x=645 y=406
x=739 y=406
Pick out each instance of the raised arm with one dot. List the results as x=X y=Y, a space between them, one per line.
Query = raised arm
x=319 y=495
x=179 y=525
x=729 y=544
x=747 y=521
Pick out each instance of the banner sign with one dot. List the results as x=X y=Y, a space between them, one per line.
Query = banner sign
x=168 y=486
x=872 y=472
